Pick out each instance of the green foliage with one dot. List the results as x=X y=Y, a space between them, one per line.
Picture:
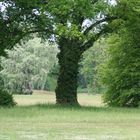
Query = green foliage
x=18 y=21
x=121 y=72
x=51 y=83
x=28 y=65
x=82 y=90
x=64 y=19
x=6 y=99
x=92 y=58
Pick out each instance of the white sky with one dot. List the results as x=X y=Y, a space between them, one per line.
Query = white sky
x=1 y=7
x=113 y=2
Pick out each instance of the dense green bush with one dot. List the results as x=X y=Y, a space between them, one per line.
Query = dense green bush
x=121 y=72
x=6 y=99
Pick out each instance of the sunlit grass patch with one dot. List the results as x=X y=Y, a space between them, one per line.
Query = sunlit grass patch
x=44 y=97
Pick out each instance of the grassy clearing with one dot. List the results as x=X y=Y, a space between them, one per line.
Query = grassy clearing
x=50 y=122
x=49 y=98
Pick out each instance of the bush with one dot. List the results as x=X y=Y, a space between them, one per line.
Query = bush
x=126 y=98
x=121 y=73
x=6 y=99
x=130 y=98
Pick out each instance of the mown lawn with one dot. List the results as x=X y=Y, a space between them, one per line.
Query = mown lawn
x=50 y=122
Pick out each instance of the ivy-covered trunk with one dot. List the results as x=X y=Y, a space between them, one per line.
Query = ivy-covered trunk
x=69 y=56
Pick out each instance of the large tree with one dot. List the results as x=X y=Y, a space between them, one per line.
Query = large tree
x=78 y=25
x=74 y=24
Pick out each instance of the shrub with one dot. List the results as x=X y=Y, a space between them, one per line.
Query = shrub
x=130 y=98
x=6 y=99
x=126 y=98
x=121 y=73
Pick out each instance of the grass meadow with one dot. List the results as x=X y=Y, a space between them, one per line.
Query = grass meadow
x=36 y=117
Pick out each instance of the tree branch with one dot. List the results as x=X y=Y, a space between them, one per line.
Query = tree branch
x=94 y=1
x=37 y=31
x=97 y=23
x=91 y=41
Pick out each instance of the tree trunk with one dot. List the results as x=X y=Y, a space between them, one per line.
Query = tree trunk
x=69 y=56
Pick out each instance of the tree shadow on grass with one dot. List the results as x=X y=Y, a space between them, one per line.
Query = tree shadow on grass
x=84 y=108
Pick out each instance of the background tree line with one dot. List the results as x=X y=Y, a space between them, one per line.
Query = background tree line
x=76 y=26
